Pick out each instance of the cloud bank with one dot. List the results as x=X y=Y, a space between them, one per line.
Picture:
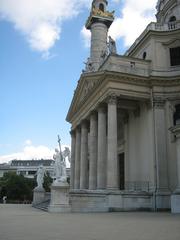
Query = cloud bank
x=40 y=21
x=30 y=152
x=135 y=16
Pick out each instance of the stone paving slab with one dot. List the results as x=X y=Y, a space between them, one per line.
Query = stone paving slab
x=22 y=222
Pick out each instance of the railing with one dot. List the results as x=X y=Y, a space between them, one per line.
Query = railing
x=137 y=186
x=155 y=27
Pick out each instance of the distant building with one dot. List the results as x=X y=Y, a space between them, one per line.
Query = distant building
x=28 y=168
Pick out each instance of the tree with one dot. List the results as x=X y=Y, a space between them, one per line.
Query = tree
x=47 y=182
x=16 y=187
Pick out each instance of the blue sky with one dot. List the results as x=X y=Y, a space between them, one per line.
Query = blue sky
x=38 y=75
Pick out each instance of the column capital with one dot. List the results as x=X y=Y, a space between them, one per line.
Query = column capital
x=112 y=99
x=102 y=107
x=84 y=123
x=78 y=128
x=159 y=102
x=93 y=113
x=72 y=132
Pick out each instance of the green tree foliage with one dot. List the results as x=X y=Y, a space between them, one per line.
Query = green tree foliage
x=47 y=182
x=16 y=187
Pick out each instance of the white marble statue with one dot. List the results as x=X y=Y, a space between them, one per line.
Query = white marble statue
x=60 y=167
x=89 y=66
x=67 y=153
x=40 y=176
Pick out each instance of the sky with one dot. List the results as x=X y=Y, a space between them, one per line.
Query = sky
x=43 y=47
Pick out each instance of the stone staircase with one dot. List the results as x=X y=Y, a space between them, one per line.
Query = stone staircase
x=43 y=205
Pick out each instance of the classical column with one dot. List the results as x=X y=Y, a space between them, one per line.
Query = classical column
x=112 y=167
x=102 y=152
x=77 y=159
x=161 y=147
x=73 y=143
x=93 y=151
x=176 y=131
x=84 y=156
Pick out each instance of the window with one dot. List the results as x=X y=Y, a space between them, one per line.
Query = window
x=175 y=56
x=31 y=172
x=172 y=19
x=172 y=23
x=177 y=114
x=144 y=55
x=101 y=7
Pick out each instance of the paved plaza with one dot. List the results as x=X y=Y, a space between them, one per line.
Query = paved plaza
x=22 y=222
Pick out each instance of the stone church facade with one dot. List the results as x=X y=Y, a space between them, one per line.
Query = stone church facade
x=125 y=116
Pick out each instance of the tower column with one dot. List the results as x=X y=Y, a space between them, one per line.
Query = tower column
x=93 y=151
x=84 y=156
x=102 y=153
x=98 y=42
x=77 y=159
x=112 y=167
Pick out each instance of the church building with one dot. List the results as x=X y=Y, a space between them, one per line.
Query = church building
x=125 y=117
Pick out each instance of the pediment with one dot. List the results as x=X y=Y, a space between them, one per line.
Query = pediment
x=86 y=86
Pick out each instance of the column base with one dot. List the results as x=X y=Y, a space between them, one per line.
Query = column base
x=175 y=203
x=88 y=201
x=163 y=200
x=110 y=201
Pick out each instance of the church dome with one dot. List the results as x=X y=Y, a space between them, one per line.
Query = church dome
x=168 y=11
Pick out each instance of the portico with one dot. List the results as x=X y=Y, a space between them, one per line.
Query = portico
x=123 y=156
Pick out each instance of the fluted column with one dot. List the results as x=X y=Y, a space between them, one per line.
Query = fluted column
x=93 y=151
x=112 y=177
x=102 y=153
x=84 y=156
x=161 y=147
x=73 y=143
x=77 y=159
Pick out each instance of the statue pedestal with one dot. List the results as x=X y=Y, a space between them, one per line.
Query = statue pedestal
x=38 y=195
x=59 y=198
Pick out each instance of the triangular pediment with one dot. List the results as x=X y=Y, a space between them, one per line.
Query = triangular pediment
x=86 y=85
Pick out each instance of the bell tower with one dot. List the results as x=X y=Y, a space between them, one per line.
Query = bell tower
x=98 y=23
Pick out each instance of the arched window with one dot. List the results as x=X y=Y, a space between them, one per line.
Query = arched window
x=101 y=7
x=172 y=19
x=172 y=23
x=144 y=55
x=177 y=114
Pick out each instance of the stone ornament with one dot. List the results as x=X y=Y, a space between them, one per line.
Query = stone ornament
x=59 y=167
x=40 y=176
x=112 y=46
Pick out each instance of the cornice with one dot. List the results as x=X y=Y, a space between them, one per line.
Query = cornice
x=89 y=84
x=147 y=35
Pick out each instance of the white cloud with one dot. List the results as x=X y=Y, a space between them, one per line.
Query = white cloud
x=86 y=35
x=28 y=142
x=30 y=152
x=135 y=16
x=40 y=20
